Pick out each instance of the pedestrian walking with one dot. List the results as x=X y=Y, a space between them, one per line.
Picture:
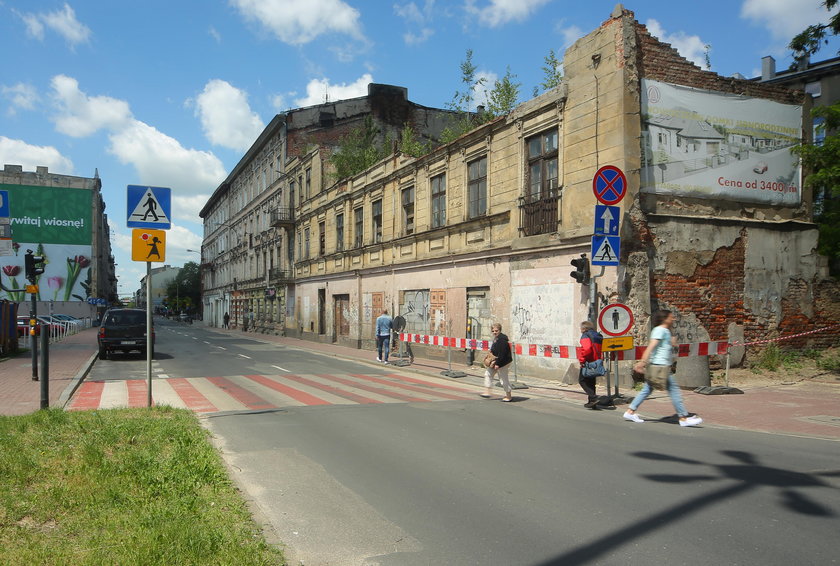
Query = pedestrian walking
x=384 y=324
x=591 y=365
x=226 y=321
x=656 y=365
x=497 y=363
x=251 y=317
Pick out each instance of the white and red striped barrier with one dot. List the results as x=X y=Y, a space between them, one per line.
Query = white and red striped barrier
x=562 y=352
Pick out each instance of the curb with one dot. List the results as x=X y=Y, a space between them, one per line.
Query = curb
x=68 y=392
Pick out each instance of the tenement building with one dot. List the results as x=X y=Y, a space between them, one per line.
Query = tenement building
x=61 y=218
x=714 y=224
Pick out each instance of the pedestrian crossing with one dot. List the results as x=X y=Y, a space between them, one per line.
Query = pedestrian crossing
x=255 y=392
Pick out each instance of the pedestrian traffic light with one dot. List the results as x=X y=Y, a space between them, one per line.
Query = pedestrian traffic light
x=34 y=266
x=581 y=272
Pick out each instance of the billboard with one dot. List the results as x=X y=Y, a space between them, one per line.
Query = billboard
x=56 y=223
x=706 y=144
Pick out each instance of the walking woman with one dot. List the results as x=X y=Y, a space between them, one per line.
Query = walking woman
x=500 y=365
x=656 y=365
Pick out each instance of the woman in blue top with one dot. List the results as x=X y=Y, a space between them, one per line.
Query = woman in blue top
x=658 y=354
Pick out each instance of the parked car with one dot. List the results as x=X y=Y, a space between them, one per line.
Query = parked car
x=760 y=167
x=124 y=330
x=68 y=318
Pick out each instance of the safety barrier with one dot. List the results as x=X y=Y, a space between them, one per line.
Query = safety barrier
x=563 y=352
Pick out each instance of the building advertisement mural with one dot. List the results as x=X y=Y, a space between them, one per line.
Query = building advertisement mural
x=705 y=144
x=55 y=223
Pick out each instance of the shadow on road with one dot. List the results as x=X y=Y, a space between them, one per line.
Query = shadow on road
x=743 y=474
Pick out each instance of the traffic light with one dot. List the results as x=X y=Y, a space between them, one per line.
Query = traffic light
x=34 y=266
x=581 y=272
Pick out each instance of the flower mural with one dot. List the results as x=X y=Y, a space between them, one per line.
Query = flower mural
x=55 y=284
x=12 y=271
x=74 y=268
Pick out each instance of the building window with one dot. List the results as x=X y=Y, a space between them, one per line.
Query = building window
x=542 y=164
x=477 y=188
x=376 y=215
x=303 y=197
x=308 y=182
x=339 y=232
x=291 y=194
x=299 y=248
x=438 y=201
x=814 y=89
x=322 y=238
x=358 y=233
x=408 y=210
x=306 y=243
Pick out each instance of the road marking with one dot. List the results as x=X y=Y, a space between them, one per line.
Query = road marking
x=194 y=338
x=205 y=341
x=281 y=369
x=162 y=376
x=219 y=347
x=244 y=356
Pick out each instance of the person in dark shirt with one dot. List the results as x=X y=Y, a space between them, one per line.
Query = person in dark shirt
x=499 y=366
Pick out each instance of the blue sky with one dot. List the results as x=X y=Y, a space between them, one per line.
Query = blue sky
x=172 y=93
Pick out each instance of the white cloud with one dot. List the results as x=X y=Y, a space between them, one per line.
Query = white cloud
x=278 y=102
x=482 y=92
x=214 y=33
x=81 y=115
x=226 y=117
x=419 y=19
x=783 y=18
x=186 y=208
x=300 y=21
x=689 y=46
x=22 y=96
x=499 y=12
x=62 y=21
x=161 y=160
x=157 y=158
x=18 y=152
x=178 y=241
x=570 y=34
x=319 y=89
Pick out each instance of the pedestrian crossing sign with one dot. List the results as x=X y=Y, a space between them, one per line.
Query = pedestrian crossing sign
x=148 y=245
x=149 y=207
x=606 y=250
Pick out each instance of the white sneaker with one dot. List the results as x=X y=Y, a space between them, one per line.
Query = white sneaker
x=378 y=359
x=635 y=418
x=691 y=421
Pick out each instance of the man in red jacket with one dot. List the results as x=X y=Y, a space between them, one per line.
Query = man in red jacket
x=589 y=351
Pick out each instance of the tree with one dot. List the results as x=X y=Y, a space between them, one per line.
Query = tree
x=823 y=162
x=185 y=290
x=812 y=38
x=505 y=95
x=462 y=102
x=410 y=145
x=359 y=149
x=552 y=72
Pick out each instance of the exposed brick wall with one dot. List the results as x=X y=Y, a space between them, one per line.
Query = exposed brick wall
x=659 y=61
x=714 y=293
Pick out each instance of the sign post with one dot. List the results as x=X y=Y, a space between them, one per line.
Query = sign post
x=616 y=320
x=148 y=208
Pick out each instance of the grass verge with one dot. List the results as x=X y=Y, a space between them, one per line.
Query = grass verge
x=132 y=486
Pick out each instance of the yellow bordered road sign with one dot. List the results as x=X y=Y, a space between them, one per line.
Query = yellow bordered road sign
x=148 y=245
x=616 y=344
x=31 y=288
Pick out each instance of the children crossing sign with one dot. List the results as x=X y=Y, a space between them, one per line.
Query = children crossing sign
x=149 y=207
x=148 y=245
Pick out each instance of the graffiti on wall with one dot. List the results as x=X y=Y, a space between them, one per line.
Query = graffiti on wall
x=415 y=309
x=543 y=314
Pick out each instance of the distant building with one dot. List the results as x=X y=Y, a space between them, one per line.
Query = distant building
x=249 y=235
x=61 y=217
x=161 y=278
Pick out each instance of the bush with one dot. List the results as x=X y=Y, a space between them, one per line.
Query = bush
x=830 y=361
x=773 y=357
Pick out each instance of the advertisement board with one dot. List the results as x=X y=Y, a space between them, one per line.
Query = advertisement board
x=56 y=223
x=706 y=144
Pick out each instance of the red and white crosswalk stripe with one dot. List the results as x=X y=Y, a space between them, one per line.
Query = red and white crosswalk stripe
x=265 y=392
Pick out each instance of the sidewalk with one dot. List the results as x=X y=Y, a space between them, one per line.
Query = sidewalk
x=70 y=361
x=802 y=409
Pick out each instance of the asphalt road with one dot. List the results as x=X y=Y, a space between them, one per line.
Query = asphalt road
x=537 y=482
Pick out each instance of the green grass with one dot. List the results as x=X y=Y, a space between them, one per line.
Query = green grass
x=134 y=486
x=830 y=361
x=772 y=358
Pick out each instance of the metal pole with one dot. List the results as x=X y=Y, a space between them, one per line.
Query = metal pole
x=45 y=370
x=33 y=335
x=726 y=375
x=607 y=375
x=149 y=332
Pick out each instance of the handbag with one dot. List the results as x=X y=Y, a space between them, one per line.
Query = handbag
x=489 y=360
x=594 y=369
x=657 y=376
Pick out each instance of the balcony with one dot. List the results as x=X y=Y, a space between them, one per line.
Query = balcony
x=538 y=214
x=283 y=217
x=280 y=276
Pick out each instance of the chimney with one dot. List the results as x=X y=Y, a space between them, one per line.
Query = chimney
x=768 y=68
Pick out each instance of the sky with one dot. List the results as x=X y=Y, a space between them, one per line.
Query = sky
x=173 y=93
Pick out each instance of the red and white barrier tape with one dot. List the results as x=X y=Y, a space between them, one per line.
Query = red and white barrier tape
x=562 y=352
x=780 y=338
